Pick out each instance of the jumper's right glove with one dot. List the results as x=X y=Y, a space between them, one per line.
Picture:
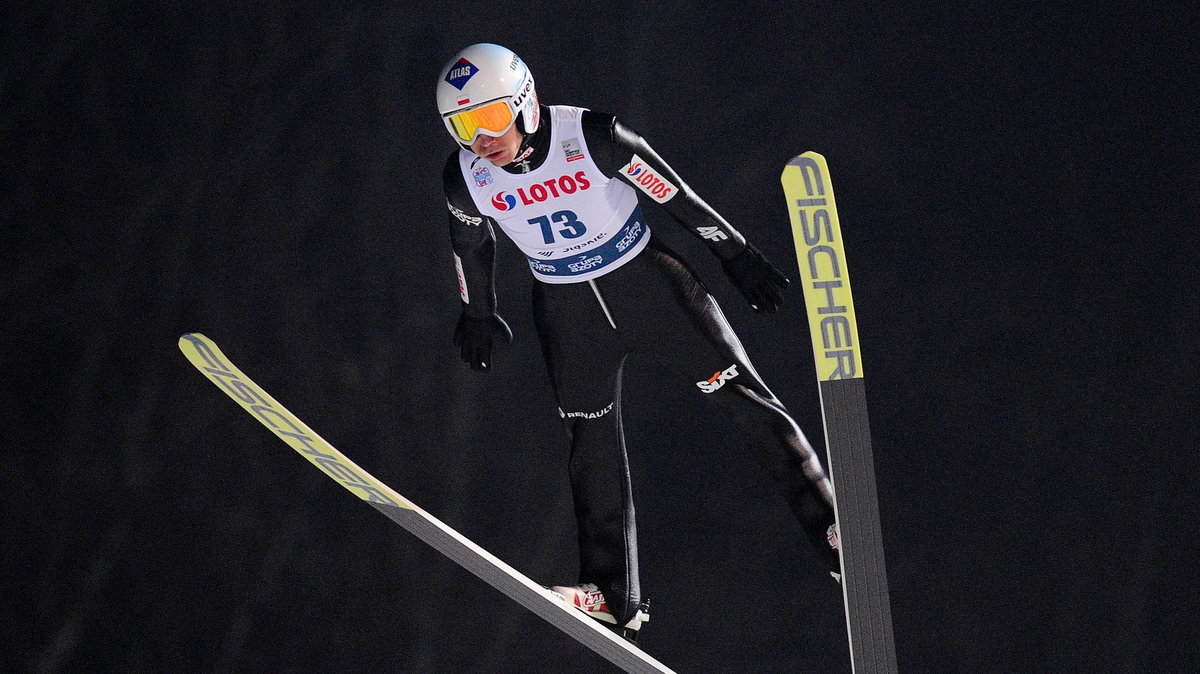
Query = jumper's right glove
x=760 y=283
x=475 y=338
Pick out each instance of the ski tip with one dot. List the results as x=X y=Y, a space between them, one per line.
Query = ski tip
x=801 y=158
x=191 y=338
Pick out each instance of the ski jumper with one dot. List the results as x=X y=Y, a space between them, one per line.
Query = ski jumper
x=606 y=288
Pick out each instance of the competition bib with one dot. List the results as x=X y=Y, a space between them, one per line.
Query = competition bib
x=572 y=222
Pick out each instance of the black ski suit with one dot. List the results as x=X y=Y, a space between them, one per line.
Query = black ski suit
x=652 y=304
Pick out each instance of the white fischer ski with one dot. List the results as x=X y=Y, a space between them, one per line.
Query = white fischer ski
x=834 y=332
x=207 y=358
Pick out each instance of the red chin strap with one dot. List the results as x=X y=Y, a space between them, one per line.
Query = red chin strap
x=523 y=154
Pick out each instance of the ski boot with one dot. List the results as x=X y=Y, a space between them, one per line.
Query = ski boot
x=834 y=535
x=589 y=599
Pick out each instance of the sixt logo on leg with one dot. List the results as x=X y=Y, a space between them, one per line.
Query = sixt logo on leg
x=543 y=191
x=718 y=379
x=460 y=73
x=647 y=180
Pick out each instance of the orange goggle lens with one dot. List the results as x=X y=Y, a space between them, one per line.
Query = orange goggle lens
x=495 y=117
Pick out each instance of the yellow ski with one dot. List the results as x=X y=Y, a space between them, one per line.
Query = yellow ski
x=207 y=358
x=833 y=330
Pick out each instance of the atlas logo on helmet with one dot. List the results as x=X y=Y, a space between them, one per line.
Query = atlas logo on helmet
x=462 y=71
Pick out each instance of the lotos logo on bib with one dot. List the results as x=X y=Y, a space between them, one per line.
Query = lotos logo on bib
x=543 y=191
x=503 y=201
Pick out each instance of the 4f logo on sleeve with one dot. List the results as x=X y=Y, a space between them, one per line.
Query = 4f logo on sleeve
x=712 y=233
x=718 y=379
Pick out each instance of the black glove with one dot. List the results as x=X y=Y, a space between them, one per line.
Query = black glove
x=760 y=283
x=475 y=338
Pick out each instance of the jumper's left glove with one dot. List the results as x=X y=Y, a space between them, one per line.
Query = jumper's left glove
x=477 y=337
x=760 y=283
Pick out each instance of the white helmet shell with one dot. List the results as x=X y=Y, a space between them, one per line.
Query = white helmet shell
x=483 y=73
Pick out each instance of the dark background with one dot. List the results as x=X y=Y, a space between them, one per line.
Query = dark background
x=1017 y=189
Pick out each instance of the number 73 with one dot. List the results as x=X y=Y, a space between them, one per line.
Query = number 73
x=572 y=227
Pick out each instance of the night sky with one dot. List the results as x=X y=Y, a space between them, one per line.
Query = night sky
x=1017 y=188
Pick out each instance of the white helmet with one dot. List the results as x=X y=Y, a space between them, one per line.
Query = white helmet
x=485 y=89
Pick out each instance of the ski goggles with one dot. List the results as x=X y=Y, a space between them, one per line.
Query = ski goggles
x=491 y=119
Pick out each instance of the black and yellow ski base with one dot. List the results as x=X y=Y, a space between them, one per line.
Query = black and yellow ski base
x=833 y=330
x=207 y=358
